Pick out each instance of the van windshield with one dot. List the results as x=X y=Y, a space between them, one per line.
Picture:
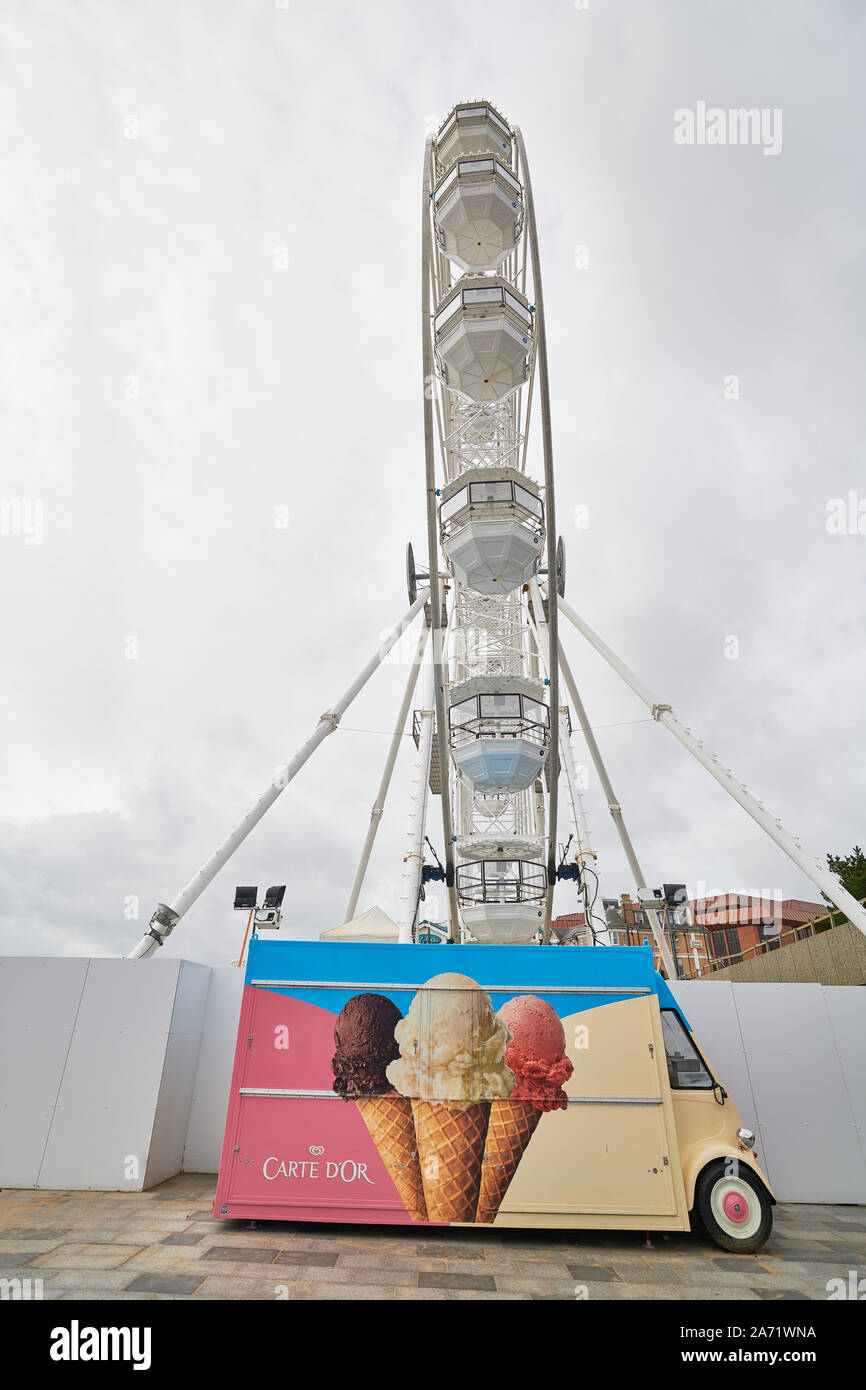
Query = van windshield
x=687 y=1070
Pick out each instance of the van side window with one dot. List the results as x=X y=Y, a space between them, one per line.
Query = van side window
x=686 y=1068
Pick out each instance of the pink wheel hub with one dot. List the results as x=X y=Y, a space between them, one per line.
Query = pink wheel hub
x=735 y=1206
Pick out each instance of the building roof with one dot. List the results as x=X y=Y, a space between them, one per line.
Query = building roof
x=568 y=927
x=742 y=909
x=570 y=919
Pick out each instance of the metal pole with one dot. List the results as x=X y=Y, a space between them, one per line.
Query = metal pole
x=585 y=856
x=663 y=714
x=393 y=749
x=433 y=548
x=531 y=230
x=414 y=860
x=246 y=934
x=616 y=814
x=579 y=822
x=166 y=916
x=585 y=852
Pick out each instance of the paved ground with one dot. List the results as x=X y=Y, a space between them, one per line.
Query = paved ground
x=165 y=1244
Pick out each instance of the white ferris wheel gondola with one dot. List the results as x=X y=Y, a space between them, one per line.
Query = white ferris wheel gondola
x=484 y=338
x=492 y=527
x=502 y=900
x=472 y=128
x=478 y=207
x=499 y=731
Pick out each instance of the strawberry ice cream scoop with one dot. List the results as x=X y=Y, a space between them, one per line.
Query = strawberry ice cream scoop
x=536 y=1053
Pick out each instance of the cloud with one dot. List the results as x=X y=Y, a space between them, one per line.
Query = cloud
x=209 y=301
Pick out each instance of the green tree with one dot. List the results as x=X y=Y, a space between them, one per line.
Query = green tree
x=851 y=869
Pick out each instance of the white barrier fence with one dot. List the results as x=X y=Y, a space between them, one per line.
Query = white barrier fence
x=114 y=1074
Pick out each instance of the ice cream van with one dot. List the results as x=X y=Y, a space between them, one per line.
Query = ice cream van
x=512 y=1086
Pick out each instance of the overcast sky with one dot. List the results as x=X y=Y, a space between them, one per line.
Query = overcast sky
x=210 y=291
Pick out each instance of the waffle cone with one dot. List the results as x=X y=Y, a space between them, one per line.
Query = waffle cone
x=392 y=1129
x=451 y=1147
x=512 y=1125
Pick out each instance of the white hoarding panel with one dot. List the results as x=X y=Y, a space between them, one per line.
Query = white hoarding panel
x=39 y=1000
x=807 y=1120
x=216 y=1057
x=178 y=1074
x=101 y=1134
x=846 y=1008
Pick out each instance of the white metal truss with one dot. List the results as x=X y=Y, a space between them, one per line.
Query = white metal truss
x=491 y=636
x=480 y=436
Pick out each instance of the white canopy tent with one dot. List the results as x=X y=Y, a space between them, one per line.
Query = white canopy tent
x=372 y=925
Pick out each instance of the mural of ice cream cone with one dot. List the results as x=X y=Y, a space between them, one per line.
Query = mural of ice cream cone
x=365 y=1044
x=452 y=1067
x=451 y=1147
x=512 y=1125
x=536 y=1054
x=392 y=1128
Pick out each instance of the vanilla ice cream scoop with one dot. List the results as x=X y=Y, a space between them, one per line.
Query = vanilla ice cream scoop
x=452 y=1045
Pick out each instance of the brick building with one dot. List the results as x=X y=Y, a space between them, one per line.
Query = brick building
x=722 y=929
x=736 y=923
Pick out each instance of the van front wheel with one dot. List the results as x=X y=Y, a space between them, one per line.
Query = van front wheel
x=734 y=1207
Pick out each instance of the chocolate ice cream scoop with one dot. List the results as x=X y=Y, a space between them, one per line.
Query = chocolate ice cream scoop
x=365 y=1044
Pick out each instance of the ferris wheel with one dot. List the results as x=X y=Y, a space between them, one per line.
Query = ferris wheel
x=492 y=736
x=491 y=533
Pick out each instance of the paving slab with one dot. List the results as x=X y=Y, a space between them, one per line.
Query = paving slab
x=367 y=1292
x=70 y=1279
x=434 y=1280
x=417 y=1295
x=241 y=1254
x=580 y=1273
x=647 y=1291
x=108 y=1296
x=782 y=1295
x=633 y=1277
x=87 y=1257
x=391 y=1278
x=728 y=1294
x=322 y=1259
x=470 y=1295
x=165 y=1283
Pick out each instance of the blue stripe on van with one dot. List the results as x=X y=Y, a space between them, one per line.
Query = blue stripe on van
x=348 y=968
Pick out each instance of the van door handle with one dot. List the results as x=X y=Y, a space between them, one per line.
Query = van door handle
x=652 y=1050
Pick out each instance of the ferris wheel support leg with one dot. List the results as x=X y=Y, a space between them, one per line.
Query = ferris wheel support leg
x=615 y=811
x=531 y=232
x=663 y=714
x=433 y=547
x=414 y=860
x=382 y=793
x=166 y=916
